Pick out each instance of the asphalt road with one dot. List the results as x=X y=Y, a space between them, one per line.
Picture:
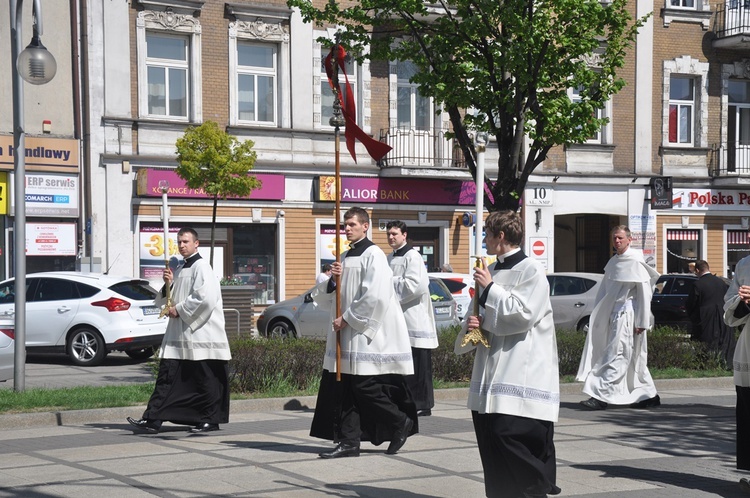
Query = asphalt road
x=57 y=371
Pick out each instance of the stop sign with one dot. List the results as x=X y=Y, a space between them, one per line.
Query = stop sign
x=537 y=248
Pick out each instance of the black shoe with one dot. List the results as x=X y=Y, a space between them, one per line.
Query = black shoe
x=204 y=427
x=745 y=485
x=150 y=426
x=647 y=403
x=424 y=413
x=594 y=404
x=399 y=437
x=342 y=450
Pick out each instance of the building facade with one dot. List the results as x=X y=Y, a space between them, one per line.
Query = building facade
x=150 y=68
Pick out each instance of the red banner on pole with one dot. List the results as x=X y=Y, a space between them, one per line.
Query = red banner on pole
x=376 y=149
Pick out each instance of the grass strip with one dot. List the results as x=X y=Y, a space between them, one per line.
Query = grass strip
x=89 y=397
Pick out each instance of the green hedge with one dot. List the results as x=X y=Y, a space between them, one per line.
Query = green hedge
x=262 y=365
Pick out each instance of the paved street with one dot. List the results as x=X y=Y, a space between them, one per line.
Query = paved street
x=683 y=449
x=57 y=371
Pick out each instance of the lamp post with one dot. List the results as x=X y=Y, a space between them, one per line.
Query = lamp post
x=37 y=66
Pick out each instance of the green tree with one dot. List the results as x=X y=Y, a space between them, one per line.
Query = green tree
x=509 y=62
x=215 y=161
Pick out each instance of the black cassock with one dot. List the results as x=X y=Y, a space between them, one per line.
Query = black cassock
x=326 y=422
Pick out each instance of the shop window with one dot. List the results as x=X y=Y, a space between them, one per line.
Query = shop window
x=683 y=247
x=738 y=246
x=254 y=262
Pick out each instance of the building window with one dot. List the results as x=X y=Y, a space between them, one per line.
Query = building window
x=257 y=65
x=682 y=4
x=738 y=246
x=169 y=68
x=413 y=111
x=259 y=84
x=598 y=137
x=681 y=110
x=167 y=74
x=326 y=93
x=683 y=247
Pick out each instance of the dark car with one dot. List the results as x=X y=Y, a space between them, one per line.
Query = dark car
x=670 y=298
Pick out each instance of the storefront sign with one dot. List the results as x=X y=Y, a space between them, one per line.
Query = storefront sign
x=643 y=231
x=49 y=195
x=4 y=197
x=397 y=191
x=272 y=188
x=327 y=241
x=51 y=239
x=711 y=199
x=42 y=154
x=661 y=192
x=151 y=251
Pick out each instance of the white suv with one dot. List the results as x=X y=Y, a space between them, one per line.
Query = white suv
x=87 y=315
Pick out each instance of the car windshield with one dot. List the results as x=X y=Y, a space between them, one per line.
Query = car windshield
x=138 y=290
x=438 y=291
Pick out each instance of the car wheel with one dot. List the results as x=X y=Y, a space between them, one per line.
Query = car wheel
x=583 y=325
x=86 y=347
x=141 y=354
x=281 y=329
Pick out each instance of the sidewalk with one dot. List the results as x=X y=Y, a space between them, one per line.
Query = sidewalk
x=685 y=448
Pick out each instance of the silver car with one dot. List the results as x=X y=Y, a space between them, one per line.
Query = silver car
x=299 y=317
x=7 y=347
x=573 y=296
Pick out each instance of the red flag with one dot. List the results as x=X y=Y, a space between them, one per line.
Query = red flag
x=376 y=149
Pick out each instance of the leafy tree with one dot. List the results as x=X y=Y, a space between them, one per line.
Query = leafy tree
x=215 y=161
x=510 y=62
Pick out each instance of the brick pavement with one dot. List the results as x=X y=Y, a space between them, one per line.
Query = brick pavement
x=683 y=449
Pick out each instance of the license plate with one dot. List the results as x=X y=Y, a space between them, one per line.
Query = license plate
x=151 y=310
x=445 y=310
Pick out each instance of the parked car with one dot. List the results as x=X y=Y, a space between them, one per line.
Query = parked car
x=668 y=303
x=573 y=296
x=299 y=317
x=461 y=286
x=87 y=315
x=7 y=348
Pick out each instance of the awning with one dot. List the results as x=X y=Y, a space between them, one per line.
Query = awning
x=738 y=237
x=683 y=234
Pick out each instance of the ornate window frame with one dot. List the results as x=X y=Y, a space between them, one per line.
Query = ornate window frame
x=175 y=20
x=687 y=66
x=362 y=85
x=700 y=14
x=263 y=25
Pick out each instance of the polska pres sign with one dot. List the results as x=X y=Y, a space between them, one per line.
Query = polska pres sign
x=713 y=199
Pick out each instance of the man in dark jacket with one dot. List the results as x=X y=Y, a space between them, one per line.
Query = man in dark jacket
x=705 y=305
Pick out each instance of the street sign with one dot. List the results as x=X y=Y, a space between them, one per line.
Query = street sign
x=538 y=248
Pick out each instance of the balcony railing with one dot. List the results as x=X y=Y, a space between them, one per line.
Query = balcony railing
x=426 y=148
x=732 y=18
x=730 y=160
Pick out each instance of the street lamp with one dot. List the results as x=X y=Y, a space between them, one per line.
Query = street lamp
x=37 y=66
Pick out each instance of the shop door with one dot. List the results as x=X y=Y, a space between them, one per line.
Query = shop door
x=427 y=242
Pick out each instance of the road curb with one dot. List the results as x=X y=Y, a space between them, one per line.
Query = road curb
x=104 y=415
